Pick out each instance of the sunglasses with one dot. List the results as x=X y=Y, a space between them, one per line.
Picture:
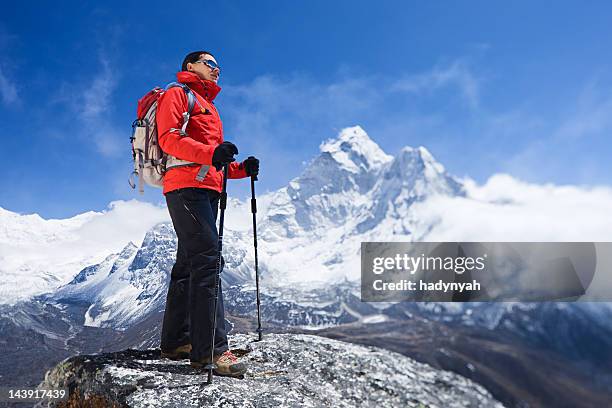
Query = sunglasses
x=209 y=63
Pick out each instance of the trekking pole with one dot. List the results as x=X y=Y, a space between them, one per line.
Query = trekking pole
x=222 y=204
x=254 y=211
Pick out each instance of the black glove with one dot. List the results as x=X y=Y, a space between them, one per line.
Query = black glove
x=224 y=153
x=251 y=166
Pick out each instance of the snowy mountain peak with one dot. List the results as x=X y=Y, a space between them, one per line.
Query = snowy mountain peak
x=412 y=164
x=422 y=156
x=86 y=274
x=159 y=231
x=128 y=250
x=91 y=279
x=161 y=236
x=354 y=151
x=124 y=257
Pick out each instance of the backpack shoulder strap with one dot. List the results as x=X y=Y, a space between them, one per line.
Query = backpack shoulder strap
x=191 y=101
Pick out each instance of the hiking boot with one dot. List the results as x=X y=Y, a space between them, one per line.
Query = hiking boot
x=227 y=365
x=178 y=353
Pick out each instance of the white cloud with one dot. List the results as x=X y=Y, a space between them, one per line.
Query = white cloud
x=124 y=221
x=507 y=209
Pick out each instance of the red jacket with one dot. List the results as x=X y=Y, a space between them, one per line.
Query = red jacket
x=204 y=130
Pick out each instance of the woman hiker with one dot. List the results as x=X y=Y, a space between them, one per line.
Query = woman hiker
x=192 y=195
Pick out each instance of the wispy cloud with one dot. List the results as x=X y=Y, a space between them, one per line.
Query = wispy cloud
x=590 y=114
x=92 y=102
x=572 y=144
x=8 y=90
x=458 y=74
x=268 y=99
x=284 y=119
x=96 y=109
x=96 y=99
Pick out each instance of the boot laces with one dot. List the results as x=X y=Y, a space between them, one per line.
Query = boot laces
x=228 y=356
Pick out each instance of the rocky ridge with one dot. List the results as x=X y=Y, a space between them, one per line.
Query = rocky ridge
x=286 y=370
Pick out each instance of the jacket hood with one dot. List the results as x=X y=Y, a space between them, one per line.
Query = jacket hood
x=206 y=89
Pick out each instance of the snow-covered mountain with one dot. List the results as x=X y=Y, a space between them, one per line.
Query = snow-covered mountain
x=309 y=232
x=38 y=255
x=309 y=238
x=352 y=192
x=110 y=270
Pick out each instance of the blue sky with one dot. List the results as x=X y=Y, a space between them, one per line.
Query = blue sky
x=487 y=87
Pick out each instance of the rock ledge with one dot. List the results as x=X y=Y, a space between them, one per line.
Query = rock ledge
x=285 y=370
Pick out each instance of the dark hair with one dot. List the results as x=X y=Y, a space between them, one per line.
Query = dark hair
x=193 y=57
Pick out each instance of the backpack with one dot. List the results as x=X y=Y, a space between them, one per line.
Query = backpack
x=150 y=162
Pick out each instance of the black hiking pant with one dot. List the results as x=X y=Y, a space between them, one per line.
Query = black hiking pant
x=189 y=305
